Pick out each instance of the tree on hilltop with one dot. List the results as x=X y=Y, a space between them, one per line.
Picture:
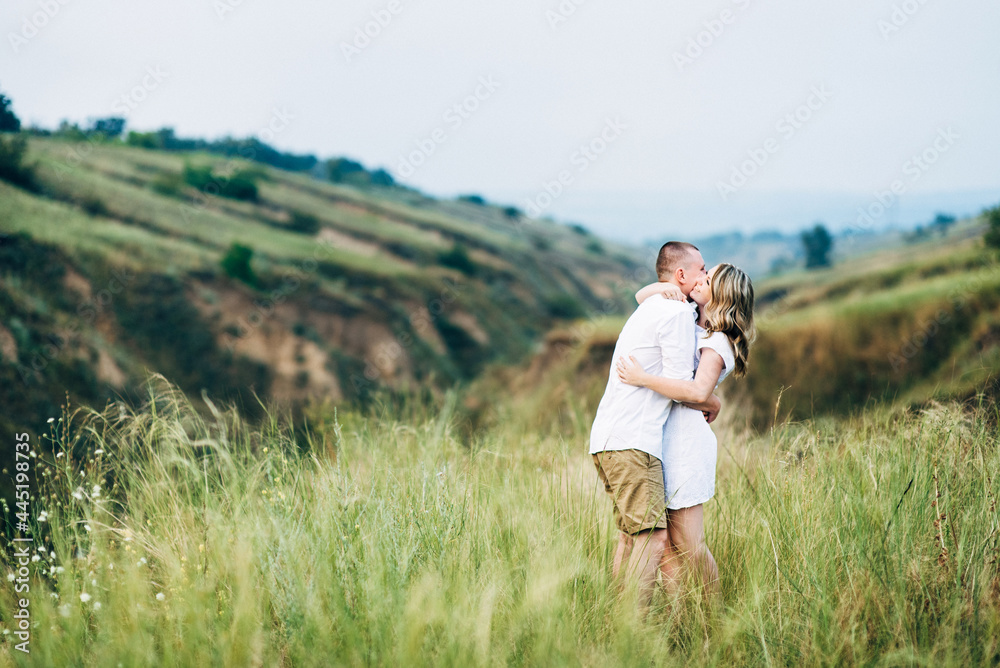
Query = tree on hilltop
x=9 y=122
x=992 y=236
x=942 y=222
x=818 y=243
x=111 y=127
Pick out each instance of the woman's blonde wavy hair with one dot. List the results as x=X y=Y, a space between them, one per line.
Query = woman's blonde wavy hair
x=731 y=312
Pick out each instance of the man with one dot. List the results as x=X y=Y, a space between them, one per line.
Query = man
x=626 y=439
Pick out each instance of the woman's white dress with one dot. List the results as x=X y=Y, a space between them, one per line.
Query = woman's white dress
x=690 y=448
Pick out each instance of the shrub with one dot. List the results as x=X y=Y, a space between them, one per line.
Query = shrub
x=242 y=185
x=458 y=258
x=93 y=205
x=12 y=167
x=512 y=212
x=110 y=128
x=344 y=170
x=236 y=264
x=304 y=223
x=70 y=131
x=541 y=243
x=150 y=140
x=199 y=177
x=380 y=177
x=565 y=307
x=478 y=200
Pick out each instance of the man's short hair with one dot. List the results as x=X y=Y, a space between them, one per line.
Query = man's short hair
x=672 y=255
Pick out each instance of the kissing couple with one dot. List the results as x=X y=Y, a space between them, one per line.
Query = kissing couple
x=651 y=441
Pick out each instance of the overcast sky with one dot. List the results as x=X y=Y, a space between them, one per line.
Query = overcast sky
x=683 y=108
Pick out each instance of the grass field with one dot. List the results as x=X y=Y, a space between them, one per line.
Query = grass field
x=388 y=538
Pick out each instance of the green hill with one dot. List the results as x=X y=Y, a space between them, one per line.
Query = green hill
x=238 y=278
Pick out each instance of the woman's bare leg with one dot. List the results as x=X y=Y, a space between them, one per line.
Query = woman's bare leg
x=687 y=534
x=672 y=563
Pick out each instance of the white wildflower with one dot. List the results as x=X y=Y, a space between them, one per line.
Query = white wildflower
x=54 y=595
x=96 y=491
x=59 y=569
x=87 y=527
x=99 y=451
x=84 y=597
x=161 y=596
x=43 y=517
x=78 y=494
x=64 y=610
x=59 y=454
x=11 y=577
x=97 y=605
x=35 y=557
x=51 y=420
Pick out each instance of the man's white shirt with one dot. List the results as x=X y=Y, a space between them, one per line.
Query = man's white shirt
x=661 y=336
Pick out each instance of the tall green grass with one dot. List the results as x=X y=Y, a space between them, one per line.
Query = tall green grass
x=388 y=538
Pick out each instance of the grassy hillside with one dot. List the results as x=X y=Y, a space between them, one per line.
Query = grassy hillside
x=902 y=326
x=386 y=538
x=115 y=264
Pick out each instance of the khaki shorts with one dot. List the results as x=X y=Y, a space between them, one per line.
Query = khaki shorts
x=634 y=481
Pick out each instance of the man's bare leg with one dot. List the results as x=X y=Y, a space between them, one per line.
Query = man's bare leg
x=644 y=562
x=622 y=554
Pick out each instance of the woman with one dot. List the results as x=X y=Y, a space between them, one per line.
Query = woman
x=725 y=331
